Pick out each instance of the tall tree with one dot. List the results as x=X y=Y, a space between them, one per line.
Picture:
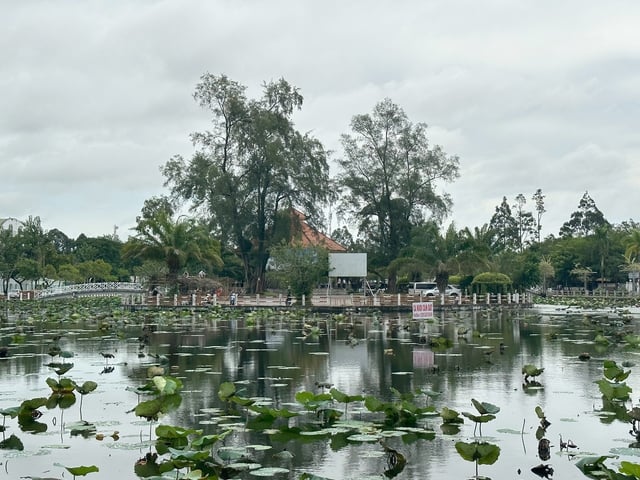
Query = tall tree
x=249 y=166
x=504 y=227
x=36 y=247
x=391 y=176
x=525 y=223
x=538 y=198
x=10 y=254
x=585 y=220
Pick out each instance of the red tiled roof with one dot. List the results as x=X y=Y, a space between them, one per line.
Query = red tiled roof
x=309 y=236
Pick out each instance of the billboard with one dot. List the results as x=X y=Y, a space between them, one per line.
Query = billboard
x=348 y=265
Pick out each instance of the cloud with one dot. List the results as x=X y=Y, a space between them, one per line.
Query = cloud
x=98 y=96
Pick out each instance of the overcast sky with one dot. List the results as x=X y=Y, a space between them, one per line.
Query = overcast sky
x=97 y=95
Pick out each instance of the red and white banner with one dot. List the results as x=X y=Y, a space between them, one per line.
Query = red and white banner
x=422 y=310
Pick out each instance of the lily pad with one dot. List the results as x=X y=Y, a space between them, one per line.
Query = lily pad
x=268 y=471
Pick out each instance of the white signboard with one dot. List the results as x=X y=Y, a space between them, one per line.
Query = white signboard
x=422 y=310
x=346 y=265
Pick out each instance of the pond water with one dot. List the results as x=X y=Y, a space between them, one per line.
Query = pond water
x=273 y=356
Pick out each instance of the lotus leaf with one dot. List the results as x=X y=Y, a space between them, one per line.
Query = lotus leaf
x=12 y=443
x=613 y=372
x=482 y=452
x=82 y=470
x=450 y=416
x=226 y=391
x=629 y=468
x=531 y=371
x=484 y=408
x=87 y=387
x=479 y=418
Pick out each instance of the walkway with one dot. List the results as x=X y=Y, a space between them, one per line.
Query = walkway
x=99 y=289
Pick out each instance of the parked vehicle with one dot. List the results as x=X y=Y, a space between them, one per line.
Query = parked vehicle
x=453 y=291
x=427 y=289
x=423 y=288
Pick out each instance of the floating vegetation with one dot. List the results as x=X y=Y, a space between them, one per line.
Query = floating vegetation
x=250 y=408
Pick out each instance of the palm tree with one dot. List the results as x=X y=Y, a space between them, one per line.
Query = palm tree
x=632 y=244
x=174 y=242
x=476 y=252
x=546 y=269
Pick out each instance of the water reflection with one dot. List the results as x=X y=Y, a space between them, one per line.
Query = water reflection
x=482 y=358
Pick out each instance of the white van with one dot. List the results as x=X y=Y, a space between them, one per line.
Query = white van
x=431 y=289
x=423 y=288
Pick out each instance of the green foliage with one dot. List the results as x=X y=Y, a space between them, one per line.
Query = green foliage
x=585 y=220
x=87 y=387
x=481 y=452
x=320 y=404
x=450 y=416
x=299 y=267
x=401 y=181
x=173 y=437
x=174 y=242
x=401 y=412
x=531 y=371
x=631 y=469
x=82 y=470
x=249 y=165
x=167 y=397
x=486 y=411
x=612 y=386
x=594 y=467
x=491 y=282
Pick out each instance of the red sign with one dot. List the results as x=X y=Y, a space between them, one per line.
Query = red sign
x=422 y=310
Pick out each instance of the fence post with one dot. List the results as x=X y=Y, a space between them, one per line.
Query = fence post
x=475 y=299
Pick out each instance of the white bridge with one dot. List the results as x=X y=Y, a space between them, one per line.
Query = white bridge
x=99 y=289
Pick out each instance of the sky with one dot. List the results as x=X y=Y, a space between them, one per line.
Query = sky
x=96 y=96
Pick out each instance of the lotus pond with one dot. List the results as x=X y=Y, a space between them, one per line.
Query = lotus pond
x=90 y=389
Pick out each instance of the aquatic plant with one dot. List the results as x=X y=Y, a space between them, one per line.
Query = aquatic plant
x=166 y=390
x=402 y=411
x=594 y=467
x=531 y=371
x=612 y=385
x=85 y=389
x=481 y=453
x=321 y=404
x=341 y=397
x=82 y=470
x=487 y=413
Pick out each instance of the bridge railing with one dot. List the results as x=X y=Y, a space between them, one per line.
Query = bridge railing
x=88 y=289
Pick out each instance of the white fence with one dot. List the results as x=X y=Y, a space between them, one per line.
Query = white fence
x=102 y=289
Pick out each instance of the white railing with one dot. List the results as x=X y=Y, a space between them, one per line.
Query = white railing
x=92 y=289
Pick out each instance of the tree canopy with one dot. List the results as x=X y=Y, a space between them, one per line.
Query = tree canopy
x=249 y=166
x=391 y=177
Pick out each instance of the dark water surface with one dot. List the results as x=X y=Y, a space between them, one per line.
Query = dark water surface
x=271 y=359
